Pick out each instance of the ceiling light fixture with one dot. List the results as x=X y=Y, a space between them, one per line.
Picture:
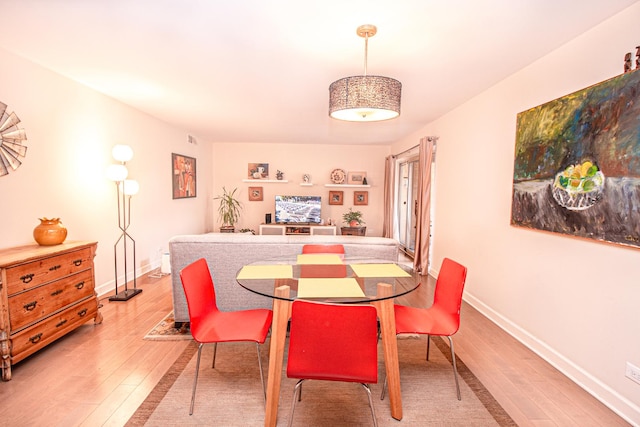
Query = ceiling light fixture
x=365 y=98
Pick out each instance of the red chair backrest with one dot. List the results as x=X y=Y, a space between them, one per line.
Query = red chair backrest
x=322 y=249
x=449 y=288
x=335 y=342
x=199 y=291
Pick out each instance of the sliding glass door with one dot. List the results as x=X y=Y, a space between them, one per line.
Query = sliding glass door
x=407 y=202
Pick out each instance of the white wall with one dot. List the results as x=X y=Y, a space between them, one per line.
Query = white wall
x=573 y=301
x=71 y=130
x=230 y=161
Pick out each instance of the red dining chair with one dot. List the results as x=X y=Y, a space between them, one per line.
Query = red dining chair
x=332 y=342
x=211 y=326
x=442 y=318
x=322 y=249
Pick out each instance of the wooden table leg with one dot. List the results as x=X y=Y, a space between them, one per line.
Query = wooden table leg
x=390 y=346
x=281 y=312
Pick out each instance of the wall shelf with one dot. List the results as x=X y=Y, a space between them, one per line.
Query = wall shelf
x=347 y=185
x=265 y=181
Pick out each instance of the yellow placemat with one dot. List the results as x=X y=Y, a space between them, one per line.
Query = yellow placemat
x=329 y=288
x=276 y=271
x=319 y=259
x=378 y=270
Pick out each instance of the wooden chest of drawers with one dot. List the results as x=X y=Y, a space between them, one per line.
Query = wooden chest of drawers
x=45 y=292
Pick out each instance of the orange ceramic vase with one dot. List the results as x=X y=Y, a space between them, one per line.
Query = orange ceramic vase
x=50 y=232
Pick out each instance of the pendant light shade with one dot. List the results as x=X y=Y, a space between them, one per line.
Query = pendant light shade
x=365 y=98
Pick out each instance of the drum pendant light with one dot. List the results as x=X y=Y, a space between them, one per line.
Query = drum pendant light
x=365 y=98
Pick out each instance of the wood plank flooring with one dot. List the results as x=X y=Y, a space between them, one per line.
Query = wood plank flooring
x=100 y=374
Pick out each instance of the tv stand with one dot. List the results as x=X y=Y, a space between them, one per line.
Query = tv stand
x=295 y=229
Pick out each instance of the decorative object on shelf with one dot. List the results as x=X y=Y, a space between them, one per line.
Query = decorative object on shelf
x=12 y=148
x=50 y=232
x=255 y=194
x=306 y=178
x=258 y=170
x=338 y=176
x=356 y=178
x=229 y=210
x=353 y=218
x=580 y=180
x=365 y=98
x=184 y=176
x=360 y=198
x=637 y=57
x=336 y=197
x=364 y=181
x=125 y=188
x=279 y=175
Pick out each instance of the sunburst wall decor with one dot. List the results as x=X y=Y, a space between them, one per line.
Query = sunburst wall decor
x=12 y=147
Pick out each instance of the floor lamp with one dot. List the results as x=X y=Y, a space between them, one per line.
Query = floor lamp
x=125 y=188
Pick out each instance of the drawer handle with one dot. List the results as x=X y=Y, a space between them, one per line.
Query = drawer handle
x=54 y=268
x=30 y=306
x=80 y=285
x=82 y=312
x=56 y=292
x=61 y=323
x=77 y=262
x=27 y=278
x=34 y=339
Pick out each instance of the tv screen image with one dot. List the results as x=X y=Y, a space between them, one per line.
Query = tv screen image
x=298 y=209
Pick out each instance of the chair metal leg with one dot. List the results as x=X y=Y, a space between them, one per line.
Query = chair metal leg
x=428 y=345
x=455 y=369
x=373 y=412
x=384 y=388
x=195 y=380
x=296 y=390
x=264 y=389
x=215 y=348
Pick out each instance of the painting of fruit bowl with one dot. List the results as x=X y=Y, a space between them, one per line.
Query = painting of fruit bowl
x=579 y=186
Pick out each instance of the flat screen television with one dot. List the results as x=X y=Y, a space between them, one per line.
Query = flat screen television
x=298 y=209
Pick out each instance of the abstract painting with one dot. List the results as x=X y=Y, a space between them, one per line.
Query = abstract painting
x=184 y=176
x=577 y=164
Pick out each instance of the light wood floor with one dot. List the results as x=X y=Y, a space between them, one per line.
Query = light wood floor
x=100 y=374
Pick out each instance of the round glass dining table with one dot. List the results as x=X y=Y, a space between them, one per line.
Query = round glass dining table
x=329 y=278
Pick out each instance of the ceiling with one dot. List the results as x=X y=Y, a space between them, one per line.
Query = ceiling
x=259 y=71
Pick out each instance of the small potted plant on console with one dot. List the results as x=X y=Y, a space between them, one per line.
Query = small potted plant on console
x=354 y=222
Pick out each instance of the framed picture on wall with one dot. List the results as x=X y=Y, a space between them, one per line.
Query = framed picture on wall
x=361 y=198
x=258 y=170
x=255 y=194
x=184 y=176
x=335 y=197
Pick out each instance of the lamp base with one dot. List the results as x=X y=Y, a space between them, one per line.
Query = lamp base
x=125 y=295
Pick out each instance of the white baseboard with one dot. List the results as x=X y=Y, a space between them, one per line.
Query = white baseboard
x=605 y=394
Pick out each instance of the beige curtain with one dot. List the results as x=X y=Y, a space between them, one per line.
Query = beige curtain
x=423 y=214
x=388 y=195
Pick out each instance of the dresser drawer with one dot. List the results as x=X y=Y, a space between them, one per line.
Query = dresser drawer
x=31 y=339
x=30 y=306
x=31 y=274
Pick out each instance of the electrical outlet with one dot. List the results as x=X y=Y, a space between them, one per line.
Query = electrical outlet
x=633 y=372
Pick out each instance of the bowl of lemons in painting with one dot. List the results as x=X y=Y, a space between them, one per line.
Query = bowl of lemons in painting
x=578 y=186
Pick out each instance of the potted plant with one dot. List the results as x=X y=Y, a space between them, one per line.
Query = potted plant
x=353 y=218
x=229 y=210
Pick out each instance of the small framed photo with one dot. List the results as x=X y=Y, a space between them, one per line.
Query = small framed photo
x=183 y=176
x=361 y=198
x=258 y=170
x=255 y=194
x=357 y=178
x=335 y=197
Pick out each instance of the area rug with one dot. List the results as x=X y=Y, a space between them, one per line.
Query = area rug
x=165 y=330
x=231 y=394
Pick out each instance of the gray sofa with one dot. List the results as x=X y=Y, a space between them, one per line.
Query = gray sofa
x=226 y=253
